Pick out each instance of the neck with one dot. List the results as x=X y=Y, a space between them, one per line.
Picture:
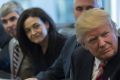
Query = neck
x=44 y=45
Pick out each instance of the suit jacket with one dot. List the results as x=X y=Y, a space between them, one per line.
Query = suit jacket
x=61 y=67
x=4 y=75
x=82 y=65
x=4 y=53
x=4 y=62
x=4 y=58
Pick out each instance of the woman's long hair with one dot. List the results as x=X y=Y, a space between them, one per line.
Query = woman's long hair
x=25 y=44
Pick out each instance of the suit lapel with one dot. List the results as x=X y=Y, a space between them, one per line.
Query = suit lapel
x=83 y=59
x=16 y=57
x=110 y=69
x=67 y=55
x=86 y=72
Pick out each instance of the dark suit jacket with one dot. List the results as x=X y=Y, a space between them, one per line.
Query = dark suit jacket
x=4 y=53
x=82 y=66
x=61 y=67
x=4 y=75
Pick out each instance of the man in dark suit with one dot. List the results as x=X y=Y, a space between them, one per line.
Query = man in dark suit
x=4 y=54
x=9 y=14
x=79 y=7
x=98 y=36
x=61 y=67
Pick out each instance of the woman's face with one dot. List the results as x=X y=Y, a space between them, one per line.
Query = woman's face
x=35 y=29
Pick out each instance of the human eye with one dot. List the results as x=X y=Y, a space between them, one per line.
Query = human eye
x=27 y=30
x=79 y=8
x=13 y=18
x=105 y=34
x=92 y=40
x=4 y=21
x=36 y=26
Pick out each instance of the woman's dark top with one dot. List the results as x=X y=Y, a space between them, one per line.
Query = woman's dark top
x=41 y=61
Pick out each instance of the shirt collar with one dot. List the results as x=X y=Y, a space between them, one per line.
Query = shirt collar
x=97 y=62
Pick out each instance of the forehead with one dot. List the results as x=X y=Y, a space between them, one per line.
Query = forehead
x=84 y=2
x=31 y=20
x=10 y=15
x=98 y=30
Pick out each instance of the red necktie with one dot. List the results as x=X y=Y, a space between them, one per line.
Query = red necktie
x=100 y=72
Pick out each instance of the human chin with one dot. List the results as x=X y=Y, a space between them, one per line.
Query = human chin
x=37 y=40
x=108 y=55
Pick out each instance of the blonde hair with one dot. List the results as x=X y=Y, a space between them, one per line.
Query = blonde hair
x=91 y=19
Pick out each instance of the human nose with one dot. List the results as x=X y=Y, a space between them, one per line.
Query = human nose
x=9 y=24
x=101 y=42
x=84 y=9
x=32 y=31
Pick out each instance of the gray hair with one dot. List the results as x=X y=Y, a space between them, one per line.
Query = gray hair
x=95 y=2
x=9 y=7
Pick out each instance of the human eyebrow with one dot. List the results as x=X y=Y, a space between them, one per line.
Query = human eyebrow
x=92 y=39
x=104 y=34
x=4 y=21
x=36 y=25
x=12 y=18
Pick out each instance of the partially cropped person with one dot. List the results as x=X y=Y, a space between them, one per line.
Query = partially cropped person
x=61 y=67
x=9 y=14
x=119 y=31
x=39 y=41
x=79 y=6
x=100 y=58
x=4 y=53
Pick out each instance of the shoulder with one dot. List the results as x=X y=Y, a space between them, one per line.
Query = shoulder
x=81 y=54
x=12 y=44
x=60 y=39
x=69 y=45
x=60 y=36
x=71 y=40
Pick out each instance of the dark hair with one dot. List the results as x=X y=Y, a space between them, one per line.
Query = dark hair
x=24 y=42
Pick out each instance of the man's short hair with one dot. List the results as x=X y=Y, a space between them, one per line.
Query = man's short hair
x=9 y=7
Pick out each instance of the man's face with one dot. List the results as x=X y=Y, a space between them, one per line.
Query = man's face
x=82 y=5
x=10 y=22
x=101 y=42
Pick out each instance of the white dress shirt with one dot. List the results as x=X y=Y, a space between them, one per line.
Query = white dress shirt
x=95 y=68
